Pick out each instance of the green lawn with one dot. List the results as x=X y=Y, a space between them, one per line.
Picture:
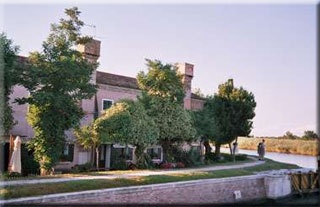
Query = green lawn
x=81 y=185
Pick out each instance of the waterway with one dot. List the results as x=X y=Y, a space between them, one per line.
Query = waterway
x=300 y=160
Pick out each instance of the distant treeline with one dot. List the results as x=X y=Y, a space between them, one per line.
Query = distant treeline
x=303 y=146
x=308 y=135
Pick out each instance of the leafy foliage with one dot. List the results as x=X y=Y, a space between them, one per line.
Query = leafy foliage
x=162 y=96
x=57 y=78
x=8 y=79
x=126 y=122
x=310 y=135
x=162 y=81
x=229 y=114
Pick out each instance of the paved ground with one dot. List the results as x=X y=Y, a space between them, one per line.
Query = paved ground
x=138 y=173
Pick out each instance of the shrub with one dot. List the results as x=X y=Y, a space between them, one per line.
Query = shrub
x=166 y=165
x=180 y=165
x=190 y=158
x=28 y=163
x=119 y=164
x=145 y=162
x=82 y=168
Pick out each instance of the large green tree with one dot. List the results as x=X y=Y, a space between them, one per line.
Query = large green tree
x=57 y=78
x=233 y=111
x=204 y=124
x=162 y=96
x=9 y=72
x=126 y=122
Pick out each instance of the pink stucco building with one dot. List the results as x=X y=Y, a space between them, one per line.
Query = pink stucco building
x=111 y=88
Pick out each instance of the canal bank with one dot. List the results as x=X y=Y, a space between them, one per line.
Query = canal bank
x=260 y=188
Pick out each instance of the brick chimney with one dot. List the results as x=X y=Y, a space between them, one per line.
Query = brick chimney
x=186 y=69
x=91 y=52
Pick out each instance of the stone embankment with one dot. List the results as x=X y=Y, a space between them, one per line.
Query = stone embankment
x=270 y=185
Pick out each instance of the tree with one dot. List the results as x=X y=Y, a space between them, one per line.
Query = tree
x=8 y=79
x=204 y=124
x=233 y=111
x=89 y=140
x=162 y=96
x=126 y=122
x=8 y=69
x=143 y=131
x=309 y=134
x=290 y=135
x=162 y=82
x=57 y=78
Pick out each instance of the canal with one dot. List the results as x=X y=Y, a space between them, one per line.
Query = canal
x=304 y=161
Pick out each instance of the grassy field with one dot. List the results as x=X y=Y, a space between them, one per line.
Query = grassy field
x=294 y=146
x=73 y=186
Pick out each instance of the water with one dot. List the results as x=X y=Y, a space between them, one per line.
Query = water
x=300 y=160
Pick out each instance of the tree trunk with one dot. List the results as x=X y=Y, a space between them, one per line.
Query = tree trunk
x=231 y=149
x=92 y=156
x=2 y=155
x=165 y=148
x=140 y=157
x=44 y=170
x=207 y=146
x=97 y=160
x=217 y=151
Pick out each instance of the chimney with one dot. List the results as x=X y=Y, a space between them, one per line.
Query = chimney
x=186 y=69
x=91 y=52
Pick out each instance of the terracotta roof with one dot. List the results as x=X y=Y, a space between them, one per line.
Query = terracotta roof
x=116 y=80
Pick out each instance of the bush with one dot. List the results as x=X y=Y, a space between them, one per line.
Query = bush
x=224 y=157
x=82 y=168
x=166 y=165
x=190 y=158
x=119 y=164
x=10 y=175
x=145 y=162
x=170 y=165
x=180 y=165
x=28 y=163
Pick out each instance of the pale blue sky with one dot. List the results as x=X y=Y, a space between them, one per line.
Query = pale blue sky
x=269 y=49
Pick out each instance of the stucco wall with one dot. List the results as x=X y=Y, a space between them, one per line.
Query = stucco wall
x=115 y=93
x=22 y=128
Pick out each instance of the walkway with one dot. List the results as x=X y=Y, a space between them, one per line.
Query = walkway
x=134 y=174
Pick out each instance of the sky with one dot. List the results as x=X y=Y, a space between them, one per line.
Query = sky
x=268 y=49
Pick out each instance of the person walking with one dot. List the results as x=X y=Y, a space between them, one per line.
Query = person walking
x=235 y=149
x=261 y=149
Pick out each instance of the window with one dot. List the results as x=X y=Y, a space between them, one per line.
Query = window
x=106 y=103
x=121 y=152
x=67 y=153
x=155 y=153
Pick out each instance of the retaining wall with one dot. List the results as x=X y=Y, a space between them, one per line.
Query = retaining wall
x=208 y=191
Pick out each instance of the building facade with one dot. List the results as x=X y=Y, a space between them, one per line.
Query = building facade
x=111 y=88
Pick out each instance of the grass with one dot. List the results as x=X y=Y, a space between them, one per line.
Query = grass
x=10 y=192
x=112 y=172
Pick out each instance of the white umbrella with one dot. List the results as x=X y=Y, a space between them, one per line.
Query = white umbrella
x=15 y=161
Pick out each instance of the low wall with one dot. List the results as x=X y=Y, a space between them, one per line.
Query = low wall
x=207 y=191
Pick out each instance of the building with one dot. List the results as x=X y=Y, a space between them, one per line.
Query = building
x=111 y=88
